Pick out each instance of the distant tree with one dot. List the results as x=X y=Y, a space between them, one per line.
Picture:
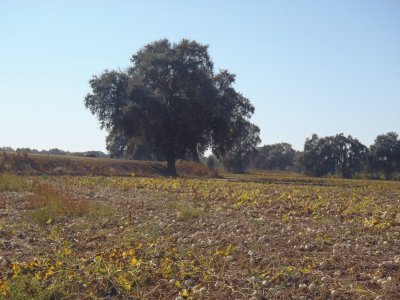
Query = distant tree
x=27 y=150
x=336 y=155
x=56 y=151
x=245 y=141
x=274 y=157
x=7 y=149
x=313 y=161
x=95 y=153
x=349 y=154
x=385 y=154
x=297 y=159
x=170 y=99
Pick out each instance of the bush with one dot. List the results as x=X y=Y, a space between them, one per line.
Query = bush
x=51 y=202
x=12 y=183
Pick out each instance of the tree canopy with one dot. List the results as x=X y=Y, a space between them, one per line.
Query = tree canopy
x=336 y=155
x=245 y=138
x=274 y=157
x=385 y=154
x=170 y=99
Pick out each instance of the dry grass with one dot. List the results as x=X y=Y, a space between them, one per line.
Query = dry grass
x=12 y=183
x=193 y=169
x=40 y=164
x=51 y=202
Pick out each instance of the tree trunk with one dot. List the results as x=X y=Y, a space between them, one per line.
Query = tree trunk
x=195 y=155
x=171 y=167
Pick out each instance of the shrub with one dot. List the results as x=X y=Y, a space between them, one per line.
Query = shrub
x=187 y=212
x=12 y=183
x=51 y=202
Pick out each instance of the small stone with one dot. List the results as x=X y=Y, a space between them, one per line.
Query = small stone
x=387 y=284
x=302 y=286
x=230 y=258
x=337 y=273
x=163 y=282
x=312 y=287
x=325 y=279
x=189 y=282
x=335 y=293
x=362 y=276
x=253 y=279
x=323 y=265
x=199 y=292
x=388 y=265
x=262 y=239
x=380 y=280
x=257 y=294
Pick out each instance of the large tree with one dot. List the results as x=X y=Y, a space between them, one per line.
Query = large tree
x=170 y=99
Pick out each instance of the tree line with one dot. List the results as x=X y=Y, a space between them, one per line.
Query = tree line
x=54 y=151
x=346 y=156
x=337 y=155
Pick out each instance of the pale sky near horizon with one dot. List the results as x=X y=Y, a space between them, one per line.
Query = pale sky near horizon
x=322 y=67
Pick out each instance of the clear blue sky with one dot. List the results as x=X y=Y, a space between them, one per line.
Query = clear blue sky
x=322 y=67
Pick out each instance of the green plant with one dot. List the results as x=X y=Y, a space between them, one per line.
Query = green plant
x=186 y=212
x=12 y=183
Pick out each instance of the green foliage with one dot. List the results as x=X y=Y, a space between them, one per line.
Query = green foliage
x=274 y=157
x=385 y=154
x=120 y=146
x=171 y=101
x=335 y=155
x=348 y=158
x=245 y=138
x=12 y=183
x=186 y=212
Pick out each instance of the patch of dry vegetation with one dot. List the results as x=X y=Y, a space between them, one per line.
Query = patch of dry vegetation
x=163 y=238
x=41 y=164
x=50 y=202
x=12 y=183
